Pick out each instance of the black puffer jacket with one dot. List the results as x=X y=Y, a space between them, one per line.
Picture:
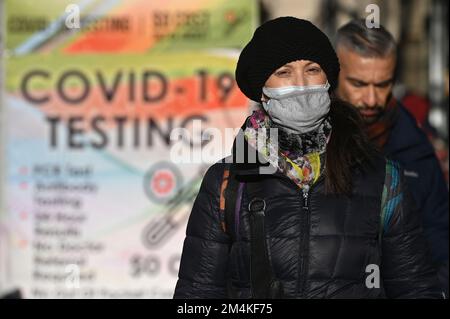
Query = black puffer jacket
x=317 y=250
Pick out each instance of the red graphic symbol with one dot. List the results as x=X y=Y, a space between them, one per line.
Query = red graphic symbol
x=163 y=182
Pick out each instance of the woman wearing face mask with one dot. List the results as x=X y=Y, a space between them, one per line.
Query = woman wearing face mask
x=318 y=214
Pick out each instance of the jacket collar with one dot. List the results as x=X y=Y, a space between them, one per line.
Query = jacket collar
x=245 y=159
x=406 y=139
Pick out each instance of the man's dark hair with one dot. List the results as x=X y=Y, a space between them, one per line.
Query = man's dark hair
x=367 y=42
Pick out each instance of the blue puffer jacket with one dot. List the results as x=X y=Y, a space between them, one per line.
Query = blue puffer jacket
x=408 y=145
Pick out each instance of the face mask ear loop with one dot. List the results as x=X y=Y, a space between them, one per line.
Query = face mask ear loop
x=265 y=99
x=265 y=105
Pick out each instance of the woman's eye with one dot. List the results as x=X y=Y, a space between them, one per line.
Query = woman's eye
x=281 y=72
x=313 y=70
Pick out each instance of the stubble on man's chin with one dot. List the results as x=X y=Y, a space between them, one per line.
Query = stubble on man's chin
x=369 y=120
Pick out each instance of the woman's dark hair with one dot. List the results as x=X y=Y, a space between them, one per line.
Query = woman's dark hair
x=348 y=150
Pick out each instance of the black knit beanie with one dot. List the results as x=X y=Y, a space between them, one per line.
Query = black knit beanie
x=280 y=41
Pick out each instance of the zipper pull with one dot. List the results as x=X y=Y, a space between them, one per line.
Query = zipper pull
x=305 y=199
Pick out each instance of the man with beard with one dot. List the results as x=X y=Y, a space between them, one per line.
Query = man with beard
x=368 y=59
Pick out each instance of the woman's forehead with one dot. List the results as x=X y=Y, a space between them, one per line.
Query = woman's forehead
x=299 y=63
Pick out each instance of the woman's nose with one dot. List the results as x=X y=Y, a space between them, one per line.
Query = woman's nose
x=300 y=80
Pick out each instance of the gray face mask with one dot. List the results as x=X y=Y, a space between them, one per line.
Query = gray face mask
x=299 y=109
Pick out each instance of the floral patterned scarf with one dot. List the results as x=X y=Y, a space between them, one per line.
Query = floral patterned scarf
x=301 y=157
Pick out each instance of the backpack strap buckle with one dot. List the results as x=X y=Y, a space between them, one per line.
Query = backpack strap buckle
x=257 y=205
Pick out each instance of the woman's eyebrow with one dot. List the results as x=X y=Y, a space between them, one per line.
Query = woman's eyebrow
x=288 y=65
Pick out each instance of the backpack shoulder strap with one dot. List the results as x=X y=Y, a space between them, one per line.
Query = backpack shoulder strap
x=230 y=201
x=223 y=187
x=263 y=282
x=391 y=196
